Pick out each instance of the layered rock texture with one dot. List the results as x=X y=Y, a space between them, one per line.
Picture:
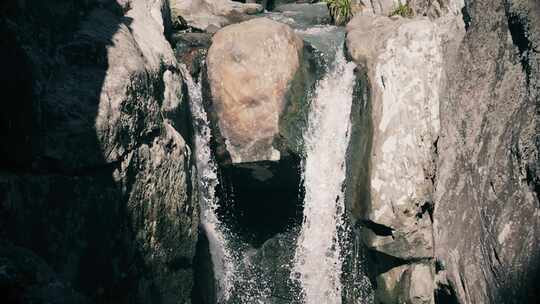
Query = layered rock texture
x=406 y=70
x=487 y=209
x=451 y=116
x=257 y=75
x=96 y=180
x=404 y=65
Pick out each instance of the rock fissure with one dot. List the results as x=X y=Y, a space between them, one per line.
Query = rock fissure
x=445 y=294
x=378 y=229
x=518 y=32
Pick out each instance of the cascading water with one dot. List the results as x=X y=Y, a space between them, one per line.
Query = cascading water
x=319 y=257
x=303 y=264
x=208 y=181
x=238 y=278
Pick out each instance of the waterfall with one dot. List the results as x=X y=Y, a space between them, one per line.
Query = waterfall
x=238 y=279
x=318 y=258
x=220 y=251
x=311 y=271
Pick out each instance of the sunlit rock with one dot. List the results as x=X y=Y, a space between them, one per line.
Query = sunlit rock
x=257 y=77
x=409 y=283
x=487 y=208
x=211 y=15
x=404 y=66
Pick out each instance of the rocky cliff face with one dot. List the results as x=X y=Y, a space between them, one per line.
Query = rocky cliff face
x=96 y=176
x=98 y=197
x=487 y=210
x=468 y=219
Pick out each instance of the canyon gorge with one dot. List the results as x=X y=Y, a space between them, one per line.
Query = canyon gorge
x=259 y=152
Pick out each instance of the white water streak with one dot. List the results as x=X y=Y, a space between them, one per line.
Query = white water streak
x=222 y=260
x=318 y=260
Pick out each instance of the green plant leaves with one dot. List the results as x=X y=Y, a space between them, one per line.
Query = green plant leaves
x=403 y=10
x=340 y=11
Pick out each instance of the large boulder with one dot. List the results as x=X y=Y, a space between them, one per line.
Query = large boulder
x=487 y=211
x=211 y=15
x=258 y=74
x=395 y=133
x=99 y=180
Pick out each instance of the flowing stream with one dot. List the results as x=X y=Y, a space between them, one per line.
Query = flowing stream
x=220 y=250
x=319 y=258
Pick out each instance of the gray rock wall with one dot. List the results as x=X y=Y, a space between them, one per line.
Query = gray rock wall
x=487 y=210
x=482 y=246
x=96 y=177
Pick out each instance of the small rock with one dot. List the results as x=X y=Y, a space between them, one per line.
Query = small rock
x=211 y=15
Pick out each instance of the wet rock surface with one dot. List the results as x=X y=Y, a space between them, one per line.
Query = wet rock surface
x=304 y=14
x=270 y=260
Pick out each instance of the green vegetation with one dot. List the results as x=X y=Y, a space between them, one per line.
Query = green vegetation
x=340 y=10
x=403 y=10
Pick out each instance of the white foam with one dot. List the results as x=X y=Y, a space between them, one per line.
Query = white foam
x=222 y=258
x=318 y=256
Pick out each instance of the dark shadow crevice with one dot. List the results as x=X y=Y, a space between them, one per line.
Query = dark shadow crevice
x=517 y=25
x=378 y=229
x=466 y=17
x=260 y=200
x=204 y=289
x=58 y=198
x=379 y=263
x=445 y=294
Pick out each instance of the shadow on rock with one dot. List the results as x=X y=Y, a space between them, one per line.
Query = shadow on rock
x=89 y=158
